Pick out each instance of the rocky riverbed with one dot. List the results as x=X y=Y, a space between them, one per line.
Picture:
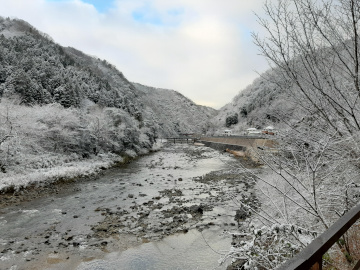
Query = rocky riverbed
x=181 y=190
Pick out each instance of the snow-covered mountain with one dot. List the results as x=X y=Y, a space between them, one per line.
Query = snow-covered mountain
x=260 y=104
x=172 y=111
x=59 y=105
x=40 y=71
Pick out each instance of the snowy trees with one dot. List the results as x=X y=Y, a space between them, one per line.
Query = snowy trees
x=112 y=130
x=307 y=186
x=7 y=133
x=231 y=120
x=170 y=113
x=42 y=72
x=314 y=49
x=45 y=136
x=309 y=182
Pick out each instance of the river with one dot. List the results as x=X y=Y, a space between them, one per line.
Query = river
x=171 y=209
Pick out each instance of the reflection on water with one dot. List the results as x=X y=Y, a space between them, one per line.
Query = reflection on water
x=193 y=250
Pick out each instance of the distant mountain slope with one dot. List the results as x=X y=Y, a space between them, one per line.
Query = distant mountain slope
x=39 y=71
x=173 y=111
x=276 y=99
x=260 y=104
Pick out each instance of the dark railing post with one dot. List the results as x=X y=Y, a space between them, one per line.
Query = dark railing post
x=357 y=266
x=311 y=256
x=317 y=266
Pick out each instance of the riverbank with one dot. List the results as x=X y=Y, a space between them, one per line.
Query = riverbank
x=181 y=190
x=32 y=184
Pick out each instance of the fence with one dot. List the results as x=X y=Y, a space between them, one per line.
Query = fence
x=311 y=256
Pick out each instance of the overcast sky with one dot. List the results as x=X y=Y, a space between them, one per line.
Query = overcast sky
x=200 y=48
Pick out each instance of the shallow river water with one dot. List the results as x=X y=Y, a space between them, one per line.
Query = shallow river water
x=162 y=211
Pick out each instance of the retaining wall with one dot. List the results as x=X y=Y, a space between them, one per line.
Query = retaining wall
x=223 y=146
x=234 y=143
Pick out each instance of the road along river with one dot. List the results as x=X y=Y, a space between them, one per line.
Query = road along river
x=167 y=210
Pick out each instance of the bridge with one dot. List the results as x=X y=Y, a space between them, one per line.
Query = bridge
x=181 y=139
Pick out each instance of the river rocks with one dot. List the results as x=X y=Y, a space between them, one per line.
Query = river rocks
x=165 y=201
x=175 y=219
x=171 y=192
x=62 y=245
x=230 y=176
x=145 y=218
x=69 y=238
x=101 y=228
x=197 y=210
x=241 y=214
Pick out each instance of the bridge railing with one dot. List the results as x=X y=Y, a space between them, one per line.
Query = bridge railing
x=181 y=139
x=311 y=256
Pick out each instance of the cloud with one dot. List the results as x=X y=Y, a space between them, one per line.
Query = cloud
x=202 y=49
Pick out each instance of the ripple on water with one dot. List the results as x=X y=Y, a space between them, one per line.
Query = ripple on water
x=30 y=211
x=193 y=250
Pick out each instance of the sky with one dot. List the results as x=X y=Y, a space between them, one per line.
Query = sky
x=200 y=48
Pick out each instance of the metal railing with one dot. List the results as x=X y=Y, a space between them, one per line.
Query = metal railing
x=181 y=139
x=311 y=256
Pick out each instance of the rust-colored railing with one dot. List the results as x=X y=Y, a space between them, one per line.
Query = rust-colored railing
x=311 y=256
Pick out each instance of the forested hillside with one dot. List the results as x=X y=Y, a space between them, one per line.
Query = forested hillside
x=186 y=116
x=260 y=104
x=59 y=105
x=40 y=71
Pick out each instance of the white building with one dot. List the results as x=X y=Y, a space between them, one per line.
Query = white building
x=253 y=131
x=269 y=130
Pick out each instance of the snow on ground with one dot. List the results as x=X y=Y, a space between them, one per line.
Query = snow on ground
x=70 y=170
x=66 y=171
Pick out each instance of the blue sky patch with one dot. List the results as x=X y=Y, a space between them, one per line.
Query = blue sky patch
x=100 y=5
x=175 y=11
x=144 y=17
x=149 y=15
